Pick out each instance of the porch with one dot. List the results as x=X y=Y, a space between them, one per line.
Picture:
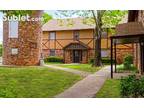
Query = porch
x=128 y=33
x=76 y=52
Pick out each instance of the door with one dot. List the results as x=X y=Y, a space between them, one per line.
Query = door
x=77 y=56
x=142 y=57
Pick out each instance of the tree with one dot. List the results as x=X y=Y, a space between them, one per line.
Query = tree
x=46 y=17
x=101 y=19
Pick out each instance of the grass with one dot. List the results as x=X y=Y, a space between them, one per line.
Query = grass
x=111 y=89
x=81 y=67
x=34 y=82
x=120 y=68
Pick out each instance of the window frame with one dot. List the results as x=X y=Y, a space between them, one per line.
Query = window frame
x=76 y=35
x=52 y=52
x=54 y=35
x=10 y=34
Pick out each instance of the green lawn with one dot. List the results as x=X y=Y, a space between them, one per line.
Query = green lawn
x=111 y=89
x=120 y=68
x=34 y=82
x=81 y=67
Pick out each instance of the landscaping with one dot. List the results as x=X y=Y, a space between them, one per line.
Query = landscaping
x=81 y=67
x=127 y=65
x=34 y=82
x=110 y=89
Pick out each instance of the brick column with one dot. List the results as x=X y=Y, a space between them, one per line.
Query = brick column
x=28 y=43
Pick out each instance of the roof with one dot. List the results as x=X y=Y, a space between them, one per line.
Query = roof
x=66 y=24
x=76 y=45
x=73 y=24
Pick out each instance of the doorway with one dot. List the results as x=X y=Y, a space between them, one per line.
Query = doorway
x=77 y=56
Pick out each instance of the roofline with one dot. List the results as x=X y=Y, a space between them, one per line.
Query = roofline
x=127 y=36
x=78 y=29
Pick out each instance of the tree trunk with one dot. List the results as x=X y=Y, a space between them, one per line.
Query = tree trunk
x=97 y=37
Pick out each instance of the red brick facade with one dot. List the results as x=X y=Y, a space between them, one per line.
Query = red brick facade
x=28 y=43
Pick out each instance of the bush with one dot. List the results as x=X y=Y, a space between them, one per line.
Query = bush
x=105 y=60
x=128 y=60
x=132 y=86
x=53 y=59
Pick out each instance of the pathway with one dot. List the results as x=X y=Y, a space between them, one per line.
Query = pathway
x=88 y=87
x=81 y=73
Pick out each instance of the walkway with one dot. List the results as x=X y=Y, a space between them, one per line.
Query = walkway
x=88 y=87
x=81 y=73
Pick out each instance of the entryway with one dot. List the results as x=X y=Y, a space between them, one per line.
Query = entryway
x=77 y=56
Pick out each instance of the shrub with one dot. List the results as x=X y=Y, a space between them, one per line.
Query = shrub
x=105 y=60
x=132 y=86
x=128 y=60
x=53 y=59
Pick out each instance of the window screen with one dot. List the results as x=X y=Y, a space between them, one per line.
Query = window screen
x=52 y=52
x=13 y=29
x=52 y=35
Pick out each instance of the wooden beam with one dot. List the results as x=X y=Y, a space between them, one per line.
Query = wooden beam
x=115 y=56
x=111 y=58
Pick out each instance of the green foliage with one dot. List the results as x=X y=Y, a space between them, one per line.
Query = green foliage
x=121 y=68
x=1 y=48
x=132 y=86
x=110 y=18
x=128 y=60
x=105 y=60
x=53 y=59
x=46 y=17
x=17 y=12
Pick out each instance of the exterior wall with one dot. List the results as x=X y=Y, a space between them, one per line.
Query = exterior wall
x=28 y=43
x=63 y=38
x=121 y=52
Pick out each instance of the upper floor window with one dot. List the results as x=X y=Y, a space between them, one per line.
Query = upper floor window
x=76 y=35
x=13 y=29
x=104 y=33
x=52 y=35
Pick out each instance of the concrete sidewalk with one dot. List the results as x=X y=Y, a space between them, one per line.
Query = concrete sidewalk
x=88 y=87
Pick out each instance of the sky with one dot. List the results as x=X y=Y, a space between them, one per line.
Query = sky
x=50 y=12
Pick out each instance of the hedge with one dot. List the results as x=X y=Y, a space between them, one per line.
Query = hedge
x=53 y=59
x=105 y=60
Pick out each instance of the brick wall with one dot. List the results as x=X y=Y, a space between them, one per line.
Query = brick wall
x=28 y=43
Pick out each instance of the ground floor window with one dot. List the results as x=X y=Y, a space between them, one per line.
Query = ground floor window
x=52 y=52
x=104 y=53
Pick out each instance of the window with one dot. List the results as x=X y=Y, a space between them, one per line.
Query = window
x=13 y=29
x=104 y=33
x=104 y=53
x=52 y=52
x=52 y=35
x=76 y=35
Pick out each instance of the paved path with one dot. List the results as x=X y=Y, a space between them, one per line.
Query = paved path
x=81 y=73
x=88 y=87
